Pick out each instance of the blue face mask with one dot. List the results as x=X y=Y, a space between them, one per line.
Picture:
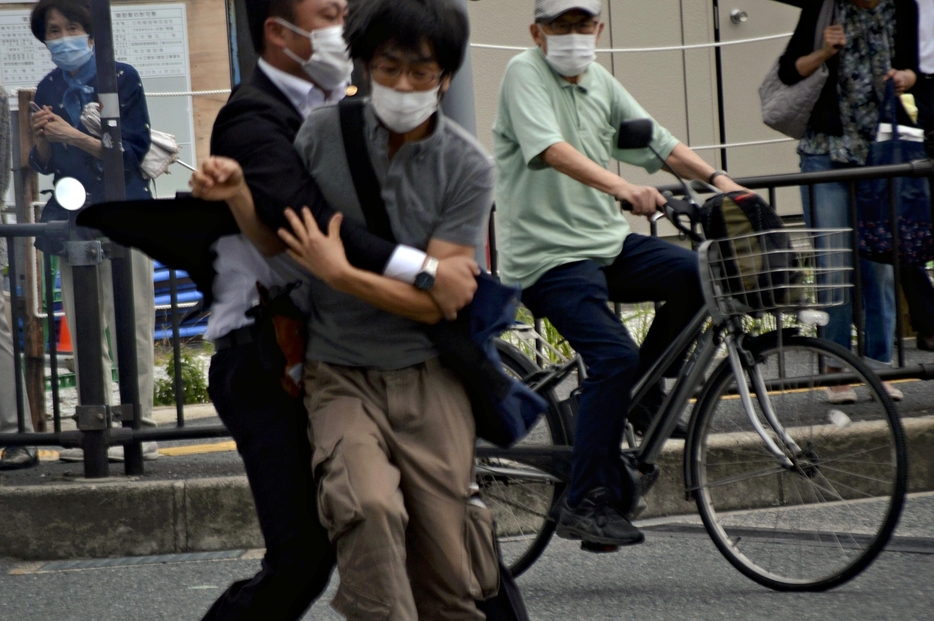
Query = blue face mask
x=70 y=53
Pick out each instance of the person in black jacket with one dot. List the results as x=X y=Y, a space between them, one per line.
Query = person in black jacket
x=915 y=281
x=862 y=51
x=300 y=68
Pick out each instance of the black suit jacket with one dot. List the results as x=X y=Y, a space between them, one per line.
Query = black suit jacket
x=257 y=127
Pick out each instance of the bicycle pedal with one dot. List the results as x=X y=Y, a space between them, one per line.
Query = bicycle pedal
x=598 y=548
x=650 y=474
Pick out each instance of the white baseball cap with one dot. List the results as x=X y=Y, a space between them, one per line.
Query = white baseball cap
x=546 y=10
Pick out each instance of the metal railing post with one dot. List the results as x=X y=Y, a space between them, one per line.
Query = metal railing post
x=14 y=330
x=857 y=275
x=896 y=266
x=122 y=273
x=93 y=415
x=179 y=383
x=53 y=341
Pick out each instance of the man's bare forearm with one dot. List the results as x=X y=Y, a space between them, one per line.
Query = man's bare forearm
x=688 y=164
x=566 y=159
x=389 y=295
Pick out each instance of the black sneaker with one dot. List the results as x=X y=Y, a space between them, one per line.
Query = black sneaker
x=643 y=412
x=595 y=521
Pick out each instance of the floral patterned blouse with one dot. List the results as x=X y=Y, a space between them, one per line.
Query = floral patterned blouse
x=864 y=60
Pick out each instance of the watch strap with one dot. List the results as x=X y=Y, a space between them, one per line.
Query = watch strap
x=716 y=173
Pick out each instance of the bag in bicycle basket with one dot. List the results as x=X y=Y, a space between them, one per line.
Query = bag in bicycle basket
x=758 y=261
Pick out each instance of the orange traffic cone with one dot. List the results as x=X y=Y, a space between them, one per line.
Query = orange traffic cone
x=64 y=338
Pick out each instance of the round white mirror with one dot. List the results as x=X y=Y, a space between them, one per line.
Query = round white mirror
x=70 y=194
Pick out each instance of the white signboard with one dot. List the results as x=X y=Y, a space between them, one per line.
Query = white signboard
x=151 y=37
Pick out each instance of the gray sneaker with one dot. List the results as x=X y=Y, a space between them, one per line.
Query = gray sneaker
x=595 y=521
x=71 y=455
x=150 y=452
x=114 y=453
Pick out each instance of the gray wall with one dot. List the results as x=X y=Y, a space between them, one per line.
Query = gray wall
x=677 y=87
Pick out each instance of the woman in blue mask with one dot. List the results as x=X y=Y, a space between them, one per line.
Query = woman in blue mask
x=65 y=148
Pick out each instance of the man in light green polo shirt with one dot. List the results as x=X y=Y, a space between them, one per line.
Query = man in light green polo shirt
x=563 y=238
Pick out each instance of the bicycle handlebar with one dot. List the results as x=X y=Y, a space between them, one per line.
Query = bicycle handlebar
x=675 y=210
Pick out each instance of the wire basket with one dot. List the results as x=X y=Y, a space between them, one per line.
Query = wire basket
x=776 y=270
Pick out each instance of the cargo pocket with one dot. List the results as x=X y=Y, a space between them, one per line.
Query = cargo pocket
x=480 y=539
x=338 y=507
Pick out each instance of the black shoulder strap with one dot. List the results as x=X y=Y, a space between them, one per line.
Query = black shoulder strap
x=365 y=181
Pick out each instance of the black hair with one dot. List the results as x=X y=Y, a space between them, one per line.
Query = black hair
x=77 y=11
x=442 y=23
x=258 y=11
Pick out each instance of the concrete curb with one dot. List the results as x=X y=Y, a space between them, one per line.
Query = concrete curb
x=667 y=497
x=127 y=517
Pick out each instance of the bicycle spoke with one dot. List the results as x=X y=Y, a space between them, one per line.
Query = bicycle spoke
x=839 y=482
x=744 y=477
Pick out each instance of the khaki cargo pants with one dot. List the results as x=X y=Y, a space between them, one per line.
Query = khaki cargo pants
x=393 y=455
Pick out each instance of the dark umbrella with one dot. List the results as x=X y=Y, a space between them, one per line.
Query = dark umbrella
x=177 y=232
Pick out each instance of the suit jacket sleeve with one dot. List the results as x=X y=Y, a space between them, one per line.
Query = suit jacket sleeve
x=906 y=35
x=252 y=133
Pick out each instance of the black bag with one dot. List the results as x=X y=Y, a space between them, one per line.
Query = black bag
x=504 y=410
x=758 y=260
x=913 y=196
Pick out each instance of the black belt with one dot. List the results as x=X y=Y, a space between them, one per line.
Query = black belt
x=234 y=338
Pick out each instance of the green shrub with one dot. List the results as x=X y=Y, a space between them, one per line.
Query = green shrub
x=194 y=385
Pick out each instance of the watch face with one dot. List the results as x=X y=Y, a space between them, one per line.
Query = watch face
x=424 y=281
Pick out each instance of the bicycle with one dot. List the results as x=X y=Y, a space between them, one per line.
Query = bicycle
x=798 y=495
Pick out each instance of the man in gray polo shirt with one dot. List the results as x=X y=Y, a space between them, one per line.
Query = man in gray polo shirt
x=391 y=428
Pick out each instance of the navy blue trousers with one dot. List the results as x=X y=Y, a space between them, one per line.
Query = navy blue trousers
x=574 y=297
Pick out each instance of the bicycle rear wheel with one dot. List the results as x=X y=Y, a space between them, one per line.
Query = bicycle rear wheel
x=817 y=524
x=519 y=495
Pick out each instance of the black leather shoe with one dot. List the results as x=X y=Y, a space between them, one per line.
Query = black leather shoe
x=19 y=457
x=595 y=521
x=925 y=343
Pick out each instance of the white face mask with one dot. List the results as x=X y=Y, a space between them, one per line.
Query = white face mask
x=400 y=111
x=329 y=65
x=570 y=54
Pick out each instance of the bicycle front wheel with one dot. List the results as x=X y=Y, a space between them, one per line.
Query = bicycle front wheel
x=519 y=495
x=816 y=524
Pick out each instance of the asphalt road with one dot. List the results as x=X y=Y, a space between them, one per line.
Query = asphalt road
x=671 y=576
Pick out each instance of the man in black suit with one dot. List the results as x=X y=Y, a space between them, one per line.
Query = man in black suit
x=302 y=65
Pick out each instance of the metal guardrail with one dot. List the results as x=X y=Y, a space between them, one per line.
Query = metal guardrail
x=131 y=434
x=94 y=419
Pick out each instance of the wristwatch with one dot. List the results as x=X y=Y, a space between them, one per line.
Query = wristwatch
x=425 y=279
x=716 y=174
